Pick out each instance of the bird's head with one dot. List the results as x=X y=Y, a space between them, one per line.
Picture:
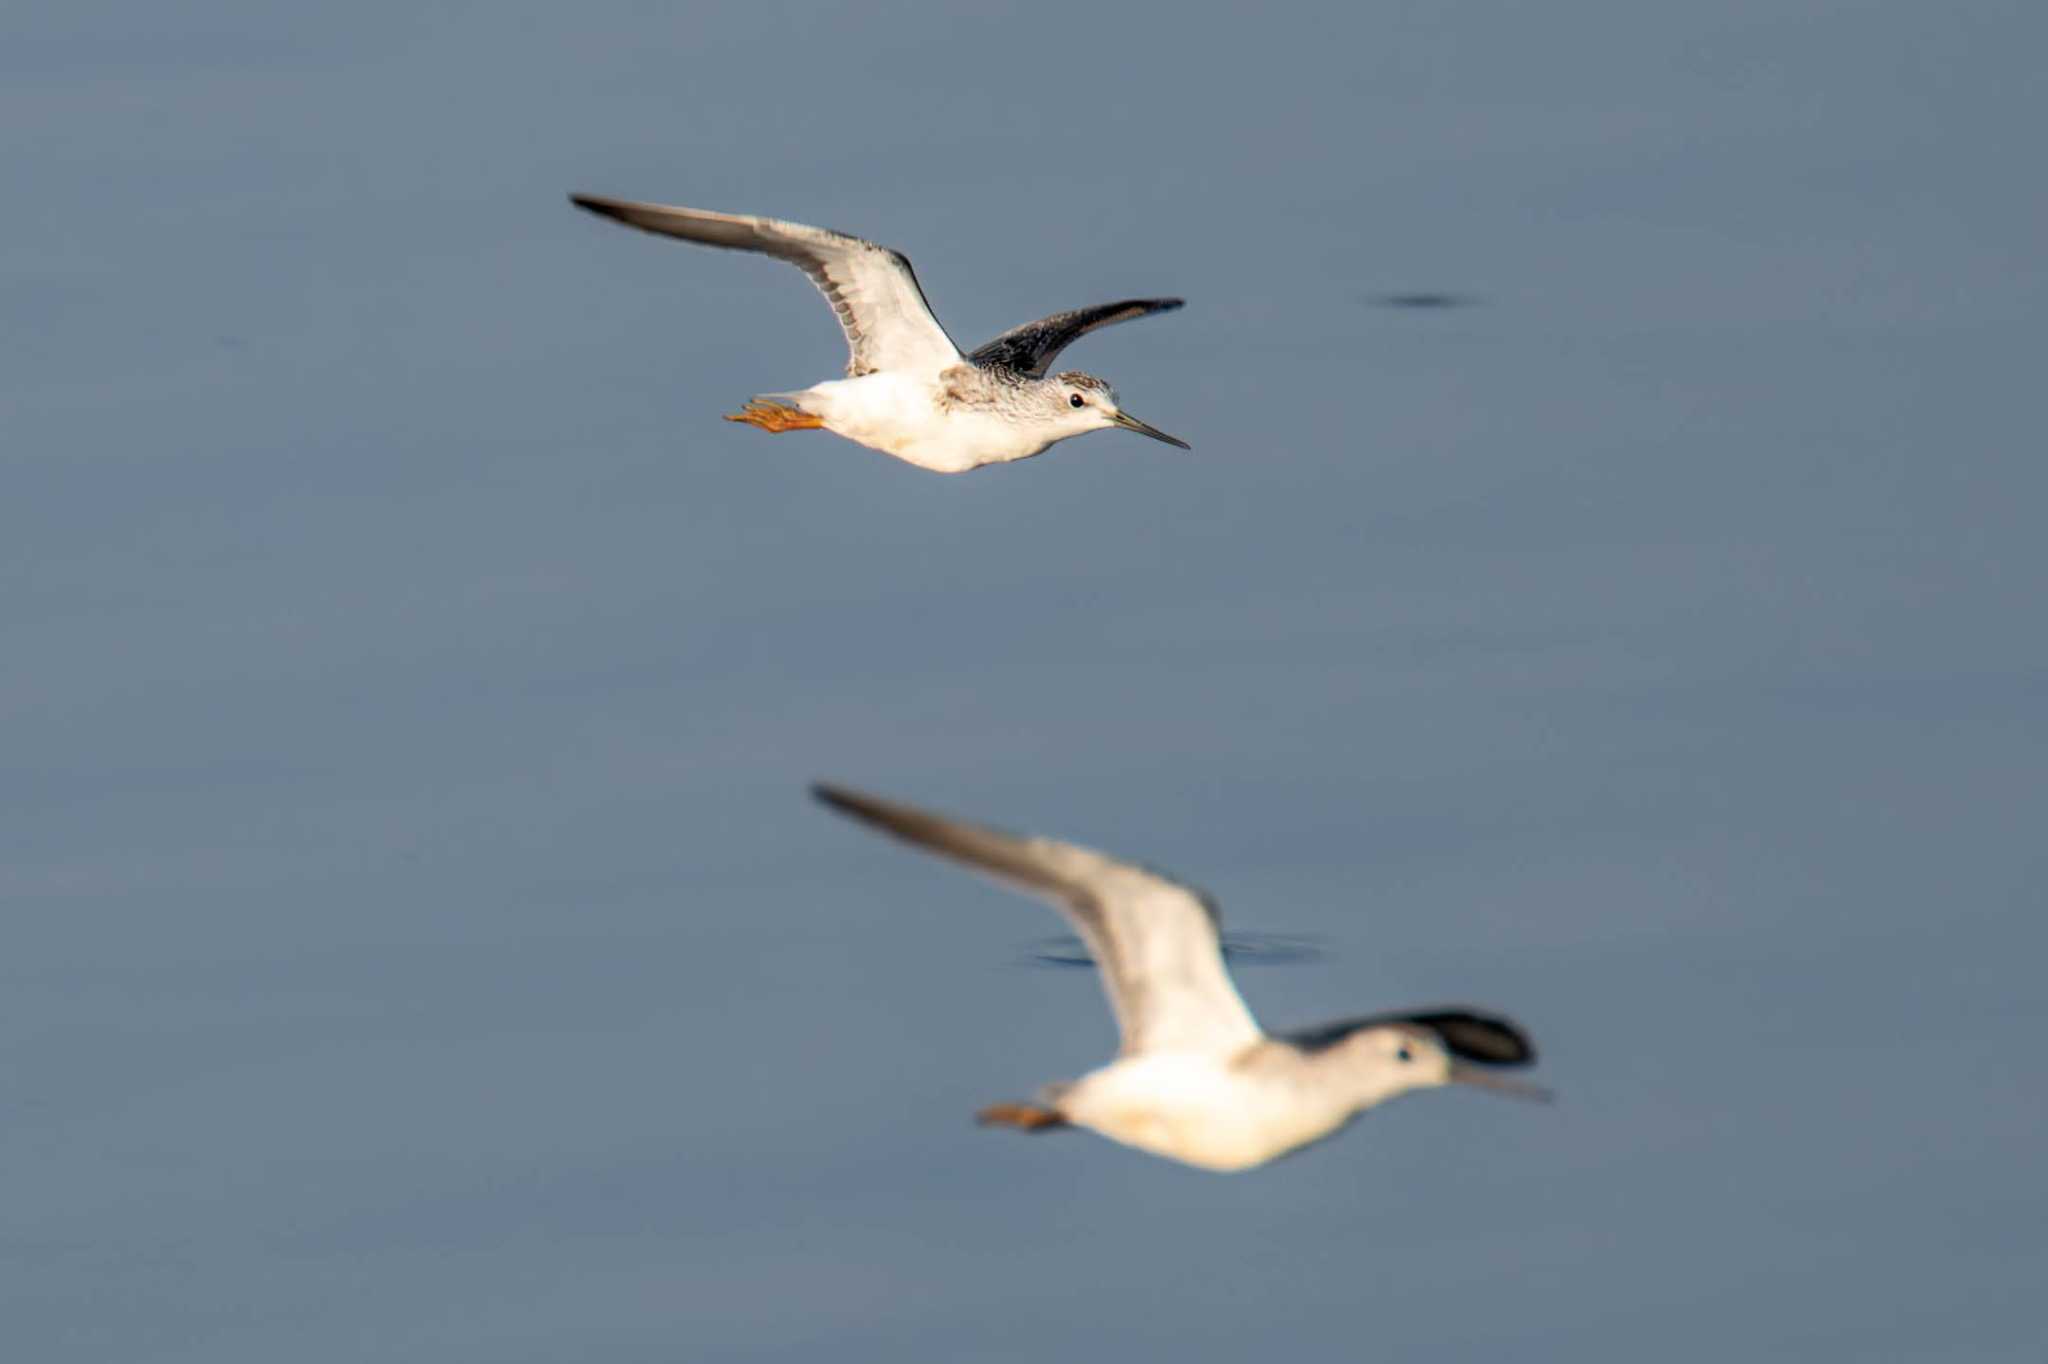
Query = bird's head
x=1394 y=1053
x=1086 y=403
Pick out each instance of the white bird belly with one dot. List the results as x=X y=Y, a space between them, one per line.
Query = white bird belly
x=1197 y=1109
x=903 y=415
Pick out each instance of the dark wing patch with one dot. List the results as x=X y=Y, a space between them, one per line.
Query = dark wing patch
x=1030 y=349
x=1479 y=1037
x=1484 y=1038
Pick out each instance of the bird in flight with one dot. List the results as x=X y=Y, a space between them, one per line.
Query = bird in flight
x=909 y=392
x=1197 y=1080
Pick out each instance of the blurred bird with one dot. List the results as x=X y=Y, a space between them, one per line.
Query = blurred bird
x=1196 y=1080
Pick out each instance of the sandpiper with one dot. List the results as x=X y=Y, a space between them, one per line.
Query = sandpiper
x=909 y=392
x=1197 y=1080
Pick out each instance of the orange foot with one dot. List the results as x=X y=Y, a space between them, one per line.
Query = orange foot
x=1029 y=1117
x=774 y=417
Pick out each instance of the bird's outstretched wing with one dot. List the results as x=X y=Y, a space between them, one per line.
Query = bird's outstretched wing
x=1465 y=1033
x=1154 y=940
x=1030 y=349
x=888 y=322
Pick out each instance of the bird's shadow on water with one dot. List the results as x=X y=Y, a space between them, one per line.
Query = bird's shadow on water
x=1421 y=300
x=1239 y=949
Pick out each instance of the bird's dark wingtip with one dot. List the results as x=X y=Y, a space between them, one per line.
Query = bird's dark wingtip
x=901 y=820
x=604 y=208
x=841 y=798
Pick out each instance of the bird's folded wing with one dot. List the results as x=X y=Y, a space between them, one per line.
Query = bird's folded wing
x=1154 y=940
x=888 y=322
x=1030 y=349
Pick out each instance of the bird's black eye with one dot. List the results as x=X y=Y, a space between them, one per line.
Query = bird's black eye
x=1401 y=1053
x=1074 y=400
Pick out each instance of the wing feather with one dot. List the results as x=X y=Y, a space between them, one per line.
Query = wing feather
x=1154 y=940
x=887 y=320
x=1031 y=348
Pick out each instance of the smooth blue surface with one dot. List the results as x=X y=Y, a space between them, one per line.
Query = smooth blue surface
x=417 y=944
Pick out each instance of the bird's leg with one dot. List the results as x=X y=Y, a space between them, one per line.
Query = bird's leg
x=1027 y=1117
x=774 y=417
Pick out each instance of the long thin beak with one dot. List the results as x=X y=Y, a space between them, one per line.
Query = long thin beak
x=1499 y=1084
x=1130 y=423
